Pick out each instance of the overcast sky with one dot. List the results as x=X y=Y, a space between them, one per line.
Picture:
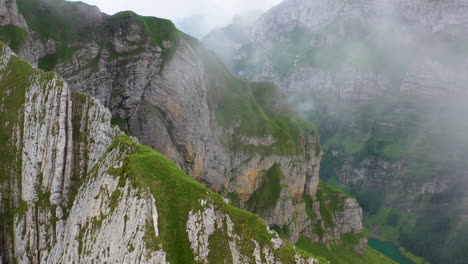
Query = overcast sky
x=215 y=13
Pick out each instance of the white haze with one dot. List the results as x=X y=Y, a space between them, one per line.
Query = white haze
x=199 y=17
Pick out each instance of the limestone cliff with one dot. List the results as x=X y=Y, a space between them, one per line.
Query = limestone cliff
x=74 y=189
x=165 y=89
x=239 y=138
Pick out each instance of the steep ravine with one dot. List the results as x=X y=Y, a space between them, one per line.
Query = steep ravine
x=161 y=86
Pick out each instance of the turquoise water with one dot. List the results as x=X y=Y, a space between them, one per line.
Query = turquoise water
x=390 y=250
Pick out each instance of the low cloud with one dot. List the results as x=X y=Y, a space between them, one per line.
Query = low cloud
x=213 y=13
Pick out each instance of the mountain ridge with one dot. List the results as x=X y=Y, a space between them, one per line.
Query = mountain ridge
x=134 y=70
x=101 y=196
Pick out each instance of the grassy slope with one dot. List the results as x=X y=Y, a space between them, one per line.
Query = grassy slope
x=412 y=257
x=58 y=22
x=344 y=254
x=267 y=195
x=177 y=194
x=331 y=201
x=12 y=35
x=156 y=29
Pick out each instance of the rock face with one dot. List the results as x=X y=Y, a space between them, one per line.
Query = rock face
x=74 y=189
x=161 y=86
x=334 y=215
x=331 y=24
x=437 y=15
x=173 y=115
x=56 y=139
x=176 y=97
x=328 y=24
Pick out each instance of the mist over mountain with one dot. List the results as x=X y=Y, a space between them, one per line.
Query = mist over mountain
x=386 y=83
x=196 y=25
x=199 y=26
x=128 y=141
x=195 y=18
x=313 y=132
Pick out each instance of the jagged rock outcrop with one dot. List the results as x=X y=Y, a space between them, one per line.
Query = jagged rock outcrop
x=333 y=215
x=74 y=189
x=55 y=138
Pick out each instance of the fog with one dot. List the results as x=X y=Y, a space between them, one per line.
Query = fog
x=388 y=92
x=194 y=17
